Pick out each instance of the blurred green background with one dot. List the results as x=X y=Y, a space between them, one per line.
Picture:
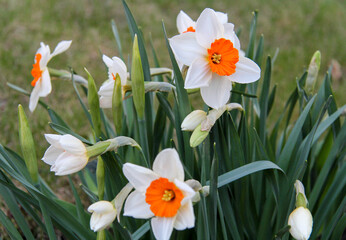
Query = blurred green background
x=298 y=28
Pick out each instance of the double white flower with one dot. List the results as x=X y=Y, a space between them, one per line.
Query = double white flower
x=161 y=194
x=212 y=54
x=115 y=66
x=67 y=154
x=42 y=83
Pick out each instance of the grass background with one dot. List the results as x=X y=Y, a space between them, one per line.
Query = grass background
x=298 y=28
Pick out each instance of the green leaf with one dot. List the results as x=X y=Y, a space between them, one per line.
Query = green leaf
x=141 y=231
x=245 y=170
x=9 y=227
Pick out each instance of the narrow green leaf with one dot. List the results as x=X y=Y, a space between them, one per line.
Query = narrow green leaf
x=79 y=206
x=213 y=196
x=245 y=170
x=141 y=231
x=9 y=227
x=117 y=38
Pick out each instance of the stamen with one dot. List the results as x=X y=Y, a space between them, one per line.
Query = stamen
x=216 y=58
x=168 y=195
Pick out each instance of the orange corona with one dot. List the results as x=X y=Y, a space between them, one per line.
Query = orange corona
x=222 y=57
x=190 y=29
x=163 y=197
x=36 y=71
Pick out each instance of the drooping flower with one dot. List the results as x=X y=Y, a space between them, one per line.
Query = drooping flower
x=41 y=83
x=103 y=214
x=115 y=66
x=161 y=194
x=300 y=221
x=200 y=122
x=212 y=54
x=67 y=154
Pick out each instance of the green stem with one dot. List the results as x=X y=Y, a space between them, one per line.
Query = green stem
x=143 y=138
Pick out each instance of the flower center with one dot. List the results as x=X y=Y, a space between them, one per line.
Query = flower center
x=190 y=29
x=222 y=57
x=163 y=197
x=168 y=195
x=36 y=71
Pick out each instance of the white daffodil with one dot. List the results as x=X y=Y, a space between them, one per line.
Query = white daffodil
x=103 y=214
x=67 y=154
x=115 y=66
x=300 y=221
x=161 y=194
x=212 y=54
x=41 y=83
x=192 y=120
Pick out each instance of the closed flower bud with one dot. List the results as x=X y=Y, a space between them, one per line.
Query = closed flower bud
x=301 y=200
x=103 y=214
x=300 y=221
x=192 y=120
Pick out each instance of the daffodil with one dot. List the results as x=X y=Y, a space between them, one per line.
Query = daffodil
x=66 y=155
x=160 y=194
x=41 y=83
x=212 y=54
x=115 y=66
x=103 y=214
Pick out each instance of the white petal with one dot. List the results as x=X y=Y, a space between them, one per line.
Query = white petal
x=101 y=207
x=139 y=177
x=230 y=34
x=222 y=17
x=192 y=120
x=186 y=49
x=300 y=221
x=102 y=221
x=188 y=192
x=51 y=155
x=120 y=198
x=184 y=22
x=208 y=28
x=34 y=96
x=137 y=207
x=44 y=50
x=72 y=144
x=199 y=74
x=162 y=227
x=168 y=165
x=53 y=139
x=105 y=102
x=61 y=47
x=185 y=217
x=106 y=88
x=120 y=68
x=247 y=71
x=68 y=163
x=46 y=85
x=218 y=92
x=107 y=60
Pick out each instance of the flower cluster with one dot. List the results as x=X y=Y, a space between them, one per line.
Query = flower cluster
x=211 y=50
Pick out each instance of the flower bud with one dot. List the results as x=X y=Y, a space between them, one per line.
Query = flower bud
x=27 y=145
x=198 y=136
x=300 y=221
x=192 y=120
x=137 y=79
x=103 y=214
x=117 y=105
x=314 y=67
